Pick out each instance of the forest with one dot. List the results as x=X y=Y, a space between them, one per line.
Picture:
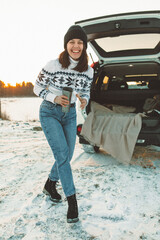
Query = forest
x=24 y=89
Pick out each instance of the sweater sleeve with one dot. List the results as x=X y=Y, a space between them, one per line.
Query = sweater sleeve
x=87 y=85
x=42 y=83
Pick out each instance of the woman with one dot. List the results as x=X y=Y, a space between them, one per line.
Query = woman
x=69 y=70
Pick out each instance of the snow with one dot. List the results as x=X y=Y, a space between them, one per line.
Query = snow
x=116 y=202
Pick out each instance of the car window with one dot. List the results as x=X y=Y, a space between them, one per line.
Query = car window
x=138 y=85
x=129 y=42
x=110 y=82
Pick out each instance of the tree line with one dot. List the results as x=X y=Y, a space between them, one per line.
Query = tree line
x=24 y=89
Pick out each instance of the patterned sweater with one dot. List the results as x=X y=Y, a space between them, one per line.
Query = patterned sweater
x=53 y=78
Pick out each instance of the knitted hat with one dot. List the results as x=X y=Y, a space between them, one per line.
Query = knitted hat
x=75 y=31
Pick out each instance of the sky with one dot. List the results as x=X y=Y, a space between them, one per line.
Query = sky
x=32 y=31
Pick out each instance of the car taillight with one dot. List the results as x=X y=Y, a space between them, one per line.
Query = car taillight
x=93 y=65
x=79 y=128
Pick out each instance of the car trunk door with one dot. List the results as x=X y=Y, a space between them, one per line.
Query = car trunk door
x=128 y=35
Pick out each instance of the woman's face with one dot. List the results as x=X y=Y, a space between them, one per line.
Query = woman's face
x=75 y=48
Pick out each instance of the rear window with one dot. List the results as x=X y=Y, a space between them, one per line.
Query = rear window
x=129 y=42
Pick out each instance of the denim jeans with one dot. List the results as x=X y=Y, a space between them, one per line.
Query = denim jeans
x=60 y=131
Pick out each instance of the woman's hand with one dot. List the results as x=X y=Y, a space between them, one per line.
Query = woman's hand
x=82 y=100
x=62 y=100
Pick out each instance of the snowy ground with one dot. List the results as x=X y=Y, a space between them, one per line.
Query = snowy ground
x=115 y=201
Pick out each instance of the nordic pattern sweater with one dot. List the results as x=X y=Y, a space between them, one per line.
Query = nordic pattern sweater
x=53 y=78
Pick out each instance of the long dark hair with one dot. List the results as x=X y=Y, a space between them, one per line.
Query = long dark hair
x=82 y=65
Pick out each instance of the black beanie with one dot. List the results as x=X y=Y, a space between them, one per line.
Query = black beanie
x=75 y=31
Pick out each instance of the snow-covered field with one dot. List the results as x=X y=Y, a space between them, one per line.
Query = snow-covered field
x=116 y=202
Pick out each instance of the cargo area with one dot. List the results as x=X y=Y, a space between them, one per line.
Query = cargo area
x=126 y=84
x=130 y=86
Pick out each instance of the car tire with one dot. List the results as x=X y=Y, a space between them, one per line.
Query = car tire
x=90 y=149
x=96 y=149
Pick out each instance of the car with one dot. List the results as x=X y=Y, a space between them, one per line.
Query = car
x=127 y=72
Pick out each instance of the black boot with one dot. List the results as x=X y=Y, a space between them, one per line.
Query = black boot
x=72 y=214
x=50 y=189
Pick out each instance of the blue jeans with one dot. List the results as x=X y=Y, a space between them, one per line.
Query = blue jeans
x=60 y=131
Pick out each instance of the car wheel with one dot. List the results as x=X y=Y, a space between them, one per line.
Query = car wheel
x=89 y=148
x=96 y=149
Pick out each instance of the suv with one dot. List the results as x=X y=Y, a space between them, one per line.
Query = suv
x=128 y=68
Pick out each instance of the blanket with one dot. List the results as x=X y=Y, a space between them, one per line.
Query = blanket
x=115 y=132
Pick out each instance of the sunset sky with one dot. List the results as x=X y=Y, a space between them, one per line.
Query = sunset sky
x=32 y=31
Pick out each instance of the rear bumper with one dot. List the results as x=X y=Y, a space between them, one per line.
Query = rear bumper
x=142 y=140
x=82 y=140
x=148 y=139
x=149 y=134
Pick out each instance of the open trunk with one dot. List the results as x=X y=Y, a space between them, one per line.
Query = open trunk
x=130 y=85
x=128 y=70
